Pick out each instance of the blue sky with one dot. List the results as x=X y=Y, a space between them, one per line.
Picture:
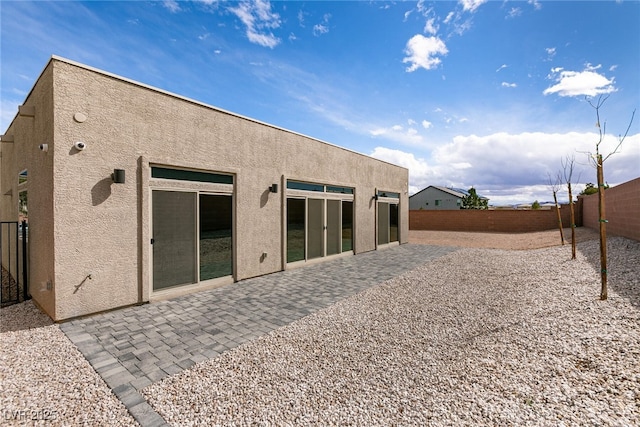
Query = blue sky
x=468 y=93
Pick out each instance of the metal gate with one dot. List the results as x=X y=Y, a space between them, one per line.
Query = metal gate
x=14 y=237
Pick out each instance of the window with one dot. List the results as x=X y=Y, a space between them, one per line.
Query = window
x=296 y=185
x=187 y=175
x=438 y=202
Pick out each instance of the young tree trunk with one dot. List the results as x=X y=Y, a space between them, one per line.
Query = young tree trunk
x=573 y=224
x=555 y=200
x=603 y=230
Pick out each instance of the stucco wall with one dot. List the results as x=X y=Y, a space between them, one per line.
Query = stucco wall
x=622 y=210
x=28 y=133
x=102 y=229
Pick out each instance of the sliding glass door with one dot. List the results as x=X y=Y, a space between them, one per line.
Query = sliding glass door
x=192 y=237
x=315 y=228
x=388 y=220
x=174 y=239
x=296 y=240
x=216 y=255
x=319 y=220
x=334 y=224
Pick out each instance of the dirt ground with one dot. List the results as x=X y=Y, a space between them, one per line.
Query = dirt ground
x=510 y=241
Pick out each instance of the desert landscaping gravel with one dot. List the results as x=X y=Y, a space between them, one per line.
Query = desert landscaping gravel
x=477 y=337
x=45 y=380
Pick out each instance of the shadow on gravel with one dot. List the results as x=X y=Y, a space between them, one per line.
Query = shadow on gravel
x=623 y=266
x=22 y=316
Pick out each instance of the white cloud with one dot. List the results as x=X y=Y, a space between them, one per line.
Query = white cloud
x=506 y=84
x=579 y=83
x=419 y=171
x=536 y=4
x=426 y=124
x=423 y=51
x=430 y=26
x=172 y=5
x=399 y=134
x=322 y=28
x=450 y=16
x=512 y=168
x=514 y=12
x=257 y=16
x=551 y=52
x=502 y=67
x=471 y=5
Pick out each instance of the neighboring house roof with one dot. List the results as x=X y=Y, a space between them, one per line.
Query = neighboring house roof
x=458 y=192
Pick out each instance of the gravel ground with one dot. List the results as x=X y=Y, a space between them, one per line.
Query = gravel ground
x=478 y=337
x=44 y=378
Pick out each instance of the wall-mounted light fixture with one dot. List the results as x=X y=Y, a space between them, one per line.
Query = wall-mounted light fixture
x=273 y=188
x=118 y=176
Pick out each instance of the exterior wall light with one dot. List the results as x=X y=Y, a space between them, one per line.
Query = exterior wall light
x=118 y=176
x=273 y=188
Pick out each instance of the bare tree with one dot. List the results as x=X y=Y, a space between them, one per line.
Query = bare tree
x=554 y=184
x=598 y=161
x=567 y=165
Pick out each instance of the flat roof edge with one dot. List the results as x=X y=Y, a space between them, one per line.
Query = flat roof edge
x=196 y=102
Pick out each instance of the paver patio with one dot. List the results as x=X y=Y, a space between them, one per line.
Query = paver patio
x=133 y=347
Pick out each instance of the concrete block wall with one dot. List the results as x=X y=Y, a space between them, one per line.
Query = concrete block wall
x=622 y=210
x=496 y=221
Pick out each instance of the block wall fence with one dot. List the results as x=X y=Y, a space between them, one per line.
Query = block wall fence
x=491 y=221
x=622 y=211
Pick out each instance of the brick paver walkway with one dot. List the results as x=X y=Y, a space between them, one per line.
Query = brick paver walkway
x=136 y=346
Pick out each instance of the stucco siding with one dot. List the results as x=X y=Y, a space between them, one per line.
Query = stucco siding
x=29 y=132
x=102 y=228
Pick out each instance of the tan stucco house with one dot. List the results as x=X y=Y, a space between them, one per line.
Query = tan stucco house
x=135 y=194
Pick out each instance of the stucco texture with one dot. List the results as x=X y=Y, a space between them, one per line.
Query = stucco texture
x=100 y=257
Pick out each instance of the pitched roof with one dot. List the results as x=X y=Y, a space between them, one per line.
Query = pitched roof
x=458 y=192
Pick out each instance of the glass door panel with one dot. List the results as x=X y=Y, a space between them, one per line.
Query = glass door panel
x=315 y=228
x=216 y=254
x=347 y=226
x=334 y=242
x=393 y=222
x=295 y=229
x=383 y=223
x=174 y=238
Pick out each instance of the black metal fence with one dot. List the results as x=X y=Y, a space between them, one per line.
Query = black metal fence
x=14 y=238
